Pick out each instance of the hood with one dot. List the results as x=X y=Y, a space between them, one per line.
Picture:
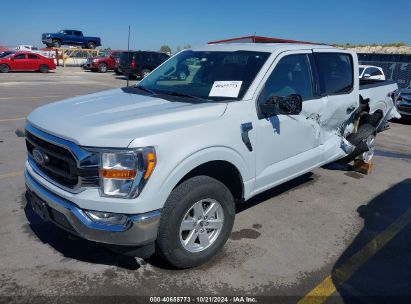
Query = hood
x=114 y=118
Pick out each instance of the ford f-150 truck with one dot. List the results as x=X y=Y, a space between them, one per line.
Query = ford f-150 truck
x=70 y=37
x=160 y=166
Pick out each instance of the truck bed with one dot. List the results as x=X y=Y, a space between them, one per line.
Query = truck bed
x=379 y=94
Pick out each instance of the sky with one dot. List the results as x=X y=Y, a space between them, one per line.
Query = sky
x=180 y=22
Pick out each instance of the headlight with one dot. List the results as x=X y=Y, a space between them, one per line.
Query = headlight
x=124 y=173
x=95 y=60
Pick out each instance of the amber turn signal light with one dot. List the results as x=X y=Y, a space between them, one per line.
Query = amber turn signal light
x=151 y=163
x=120 y=174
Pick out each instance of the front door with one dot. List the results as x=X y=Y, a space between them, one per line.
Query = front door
x=20 y=62
x=285 y=141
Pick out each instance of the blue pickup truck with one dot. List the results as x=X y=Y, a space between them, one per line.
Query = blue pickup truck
x=70 y=37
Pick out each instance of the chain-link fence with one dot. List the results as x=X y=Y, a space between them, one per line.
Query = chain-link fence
x=396 y=67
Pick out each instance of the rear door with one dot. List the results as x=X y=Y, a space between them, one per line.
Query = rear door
x=33 y=62
x=339 y=85
x=283 y=140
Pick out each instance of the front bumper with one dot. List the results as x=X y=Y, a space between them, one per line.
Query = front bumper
x=139 y=229
x=47 y=40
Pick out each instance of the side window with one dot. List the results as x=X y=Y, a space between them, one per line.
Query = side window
x=32 y=56
x=20 y=56
x=77 y=33
x=336 y=72
x=292 y=75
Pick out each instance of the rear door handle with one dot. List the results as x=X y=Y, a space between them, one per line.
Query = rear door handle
x=350 y=109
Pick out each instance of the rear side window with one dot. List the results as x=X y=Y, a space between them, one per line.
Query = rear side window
x=77 y=33
x=336 y=72
x=20 y=56
x=32 y=56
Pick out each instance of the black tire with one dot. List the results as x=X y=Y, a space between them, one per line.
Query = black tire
x=144 y=73
x=91 y=45
x=102 y=68
x=363 y=132
x=49 y=45
x=44 y=68
x=4 y=68
x=118 y=72
x=56 y=43
x=180 y=201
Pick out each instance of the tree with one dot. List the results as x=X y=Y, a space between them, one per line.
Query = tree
x=187 y=46
x=178 y=49
x=165 y=49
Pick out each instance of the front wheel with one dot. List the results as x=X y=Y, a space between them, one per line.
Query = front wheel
x=196 y=222
x=44 y=68
x=56 y=43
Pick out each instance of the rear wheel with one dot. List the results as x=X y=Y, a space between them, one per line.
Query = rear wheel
x=44 y=68
x=367 y=156
x=91 y=45
x=56 y=43
x=118 y=72
x=102 y=68
x=196 y=222
x=4 y=68
x=365 y=133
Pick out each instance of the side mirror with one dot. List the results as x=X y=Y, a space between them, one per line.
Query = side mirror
x=287 y=105
x=367 y=76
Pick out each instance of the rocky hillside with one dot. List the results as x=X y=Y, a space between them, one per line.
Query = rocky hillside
x=398 y=48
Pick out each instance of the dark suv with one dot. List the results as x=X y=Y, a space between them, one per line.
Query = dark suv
x=141 y=63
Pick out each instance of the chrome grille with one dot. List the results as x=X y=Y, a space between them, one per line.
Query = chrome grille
x=61 y=167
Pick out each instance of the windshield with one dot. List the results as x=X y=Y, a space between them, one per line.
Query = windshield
x=5 y=54
x=361 y=69
x=8 y=55
x=211 y=76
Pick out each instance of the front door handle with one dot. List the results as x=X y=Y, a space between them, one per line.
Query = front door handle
x=350 y=109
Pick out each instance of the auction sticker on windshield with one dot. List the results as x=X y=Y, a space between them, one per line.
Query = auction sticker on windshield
x=225 y=88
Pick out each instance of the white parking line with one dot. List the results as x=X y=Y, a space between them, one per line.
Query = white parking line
x=13 y=119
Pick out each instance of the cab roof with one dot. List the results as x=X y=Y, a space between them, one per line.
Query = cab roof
x=260 y=47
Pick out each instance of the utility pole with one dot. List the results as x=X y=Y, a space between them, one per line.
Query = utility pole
x=128 y=53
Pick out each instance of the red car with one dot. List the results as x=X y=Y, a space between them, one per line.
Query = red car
x=26 y=61
x=102 y=63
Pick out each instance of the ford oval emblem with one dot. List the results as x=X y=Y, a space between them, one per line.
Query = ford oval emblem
x=39 y=157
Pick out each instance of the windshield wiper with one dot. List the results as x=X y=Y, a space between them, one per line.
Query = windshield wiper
x=145 y=89
x=173 y=93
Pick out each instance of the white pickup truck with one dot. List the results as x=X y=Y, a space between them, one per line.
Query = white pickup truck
x=160 y=166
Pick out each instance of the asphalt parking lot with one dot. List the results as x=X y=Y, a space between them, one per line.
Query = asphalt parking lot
x=323 y=237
